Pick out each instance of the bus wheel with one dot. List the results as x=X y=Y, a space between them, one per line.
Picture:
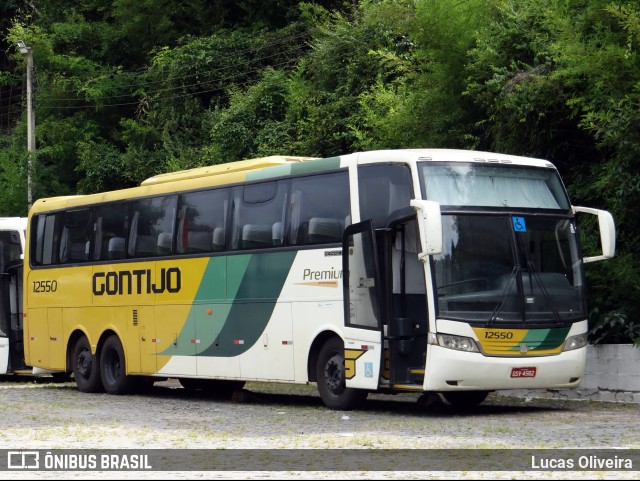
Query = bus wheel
x=86 y=371
x=113 y=368
x=465 y=399
x=331 y=381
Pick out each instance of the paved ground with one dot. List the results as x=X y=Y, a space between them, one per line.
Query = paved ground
x=48 y=416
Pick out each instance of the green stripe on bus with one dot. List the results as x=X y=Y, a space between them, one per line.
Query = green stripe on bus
x=270 y=172
x=543 y=338
x=253 y=305
x=306 y=167
x=228 y=324
x=313 y=166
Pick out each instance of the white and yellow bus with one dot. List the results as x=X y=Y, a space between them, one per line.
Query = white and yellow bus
x=12 y=240
x=444 y=271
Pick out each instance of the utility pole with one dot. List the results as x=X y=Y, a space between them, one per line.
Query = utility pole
x=31 y=119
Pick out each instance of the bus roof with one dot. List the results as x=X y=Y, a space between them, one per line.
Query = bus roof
x=276 y=165
x=450 y=155
x=220 y=169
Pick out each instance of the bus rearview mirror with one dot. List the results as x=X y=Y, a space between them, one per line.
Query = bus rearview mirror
x=430 y=227
x=607 y=233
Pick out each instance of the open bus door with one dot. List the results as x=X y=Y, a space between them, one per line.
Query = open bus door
x=362 y=307
x=385 y=305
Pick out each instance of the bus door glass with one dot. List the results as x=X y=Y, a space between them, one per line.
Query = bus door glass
x=362 y=313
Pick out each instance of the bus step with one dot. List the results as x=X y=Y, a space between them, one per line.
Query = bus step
x=408 y=387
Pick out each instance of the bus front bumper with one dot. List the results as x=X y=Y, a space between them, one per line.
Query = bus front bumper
x=451 y=370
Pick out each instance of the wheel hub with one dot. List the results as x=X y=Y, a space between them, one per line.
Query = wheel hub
x=334 y=373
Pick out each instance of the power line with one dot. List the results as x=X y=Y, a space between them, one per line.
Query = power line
x=188 y=94
x=221 y=57
x=209 y=80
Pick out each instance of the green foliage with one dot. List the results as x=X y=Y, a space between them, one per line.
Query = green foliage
x=246 y=128
x=100 y=167
x=13 y=173
x=613 y=328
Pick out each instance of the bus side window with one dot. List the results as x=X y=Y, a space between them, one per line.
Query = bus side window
x=76 y=233
x=151 y=217
x=313 y=219
x=45 y=242
x=384 y=189
x=202 y=218
x=112 y=221
x=258 y=211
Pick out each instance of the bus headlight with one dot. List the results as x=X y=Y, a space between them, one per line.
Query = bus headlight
x=575 y=342
x=457 y=343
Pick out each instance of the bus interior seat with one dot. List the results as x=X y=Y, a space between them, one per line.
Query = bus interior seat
x=116 y=248
x=256 y=236
x=164 y=243
x=78 y=252
x=277 y=234
x=199 y=241
x=302 y=236
x=146 y=246
x=218 y=239
x=324 y=229
x=72 y=251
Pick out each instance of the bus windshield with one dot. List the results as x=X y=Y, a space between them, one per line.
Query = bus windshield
x=505 y=268
x=487 y=185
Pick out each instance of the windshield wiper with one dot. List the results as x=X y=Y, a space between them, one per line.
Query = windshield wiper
x=536 y=276
x=545 y=293
x=505 y=294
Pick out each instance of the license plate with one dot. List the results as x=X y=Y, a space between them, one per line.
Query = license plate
x=523 y=372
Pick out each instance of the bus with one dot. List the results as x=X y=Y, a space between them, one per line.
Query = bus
x=441 y=272
x=12 y=240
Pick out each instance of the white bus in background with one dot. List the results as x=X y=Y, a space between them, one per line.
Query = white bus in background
x=12 y=236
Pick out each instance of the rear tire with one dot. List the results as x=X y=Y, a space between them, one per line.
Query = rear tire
x=465 y=399
x=86 y=371
x=330 y=375
x=113 y=368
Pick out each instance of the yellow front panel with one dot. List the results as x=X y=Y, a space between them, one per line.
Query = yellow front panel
x=521 y=342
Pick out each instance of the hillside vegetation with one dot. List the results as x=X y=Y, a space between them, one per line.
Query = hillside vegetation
x=130 y=88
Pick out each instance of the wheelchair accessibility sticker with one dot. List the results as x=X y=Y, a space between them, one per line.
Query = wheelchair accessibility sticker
x=519 y=224
x=368 y=369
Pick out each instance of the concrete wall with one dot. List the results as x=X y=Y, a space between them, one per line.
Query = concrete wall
x=612 y=374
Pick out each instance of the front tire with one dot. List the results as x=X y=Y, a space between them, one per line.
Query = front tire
x=113 y=368
x=330 y=375
x=86 y=371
